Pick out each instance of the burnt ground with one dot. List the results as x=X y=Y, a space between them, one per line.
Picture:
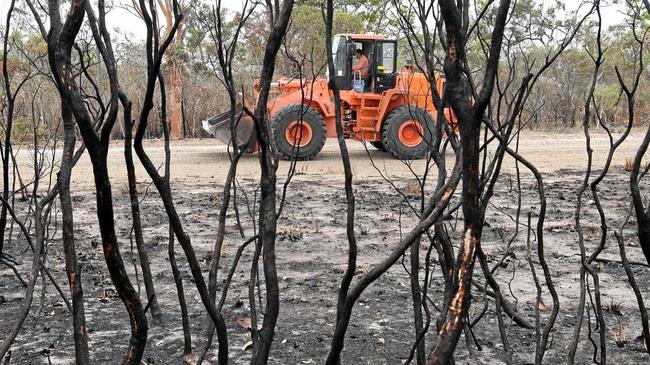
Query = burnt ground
x=311 y=250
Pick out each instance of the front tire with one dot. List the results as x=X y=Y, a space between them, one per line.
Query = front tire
x=407 y=132
x=295 y=138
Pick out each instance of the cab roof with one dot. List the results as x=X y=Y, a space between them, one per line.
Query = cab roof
x=363 y=36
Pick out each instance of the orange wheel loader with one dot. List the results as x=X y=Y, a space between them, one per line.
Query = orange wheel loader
x=391 y=110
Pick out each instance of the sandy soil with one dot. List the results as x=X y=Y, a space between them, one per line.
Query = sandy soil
x=312 y=253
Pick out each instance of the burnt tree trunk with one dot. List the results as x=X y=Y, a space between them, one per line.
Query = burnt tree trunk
x=125 y=289
x=8 y=127
x=180 y=292
x=60 y=41
x=345 y=158
x=469 y=117
x=225 y=54
x=268 y=164
x=156 y=314
x=155 y=52
x=642 y=213
x=70 y=254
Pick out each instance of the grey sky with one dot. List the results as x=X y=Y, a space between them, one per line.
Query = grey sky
x=127 y=23
x=120 y=18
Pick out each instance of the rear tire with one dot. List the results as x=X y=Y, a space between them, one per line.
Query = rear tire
x=298 y=140
x=407 y=132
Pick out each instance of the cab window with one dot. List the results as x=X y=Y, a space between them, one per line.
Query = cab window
x=339 y=54
x=386 y=58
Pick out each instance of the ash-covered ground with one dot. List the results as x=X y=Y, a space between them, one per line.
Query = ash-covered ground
x=312 y=253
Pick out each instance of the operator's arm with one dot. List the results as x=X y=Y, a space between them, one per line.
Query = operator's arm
x=361 y=65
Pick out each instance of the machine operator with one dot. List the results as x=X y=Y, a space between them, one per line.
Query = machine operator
x=362 y=64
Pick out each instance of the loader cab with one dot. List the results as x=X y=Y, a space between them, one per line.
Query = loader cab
x=382 y=58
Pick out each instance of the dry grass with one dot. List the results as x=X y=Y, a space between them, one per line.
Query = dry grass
x=619 y=335
x=414 y=189
x=291 y=233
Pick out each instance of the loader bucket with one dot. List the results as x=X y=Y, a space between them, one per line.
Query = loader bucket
x=219 y=126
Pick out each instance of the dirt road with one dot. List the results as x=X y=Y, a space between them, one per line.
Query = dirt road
x=206 y=160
